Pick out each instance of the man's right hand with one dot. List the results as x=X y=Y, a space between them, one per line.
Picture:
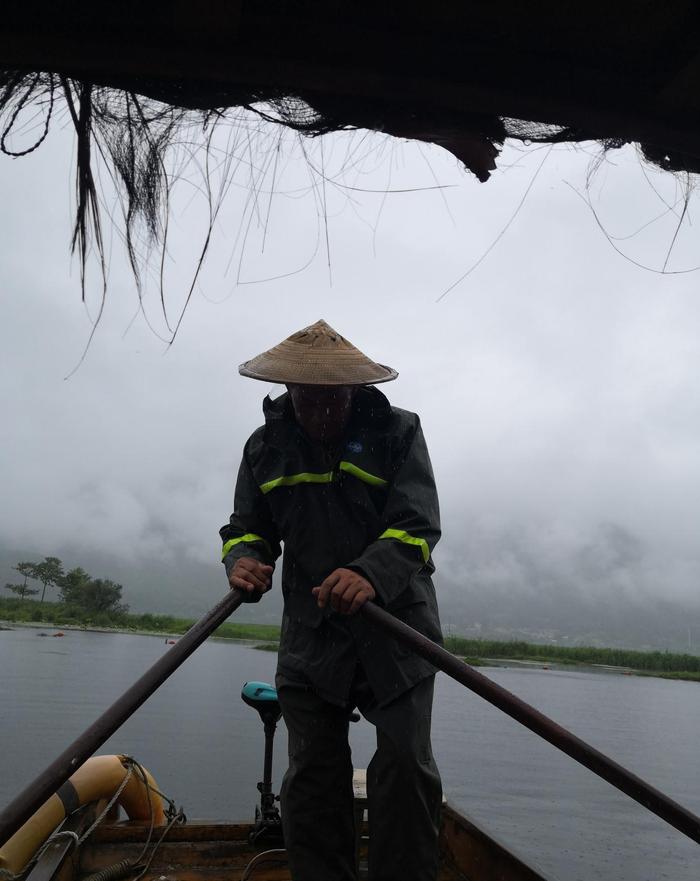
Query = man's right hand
x=251 y=575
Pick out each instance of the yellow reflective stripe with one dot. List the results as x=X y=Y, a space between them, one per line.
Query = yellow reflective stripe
x=293 y=479
x=400 y=535
x=248 y=537
x=326 y=477
x=362 y=475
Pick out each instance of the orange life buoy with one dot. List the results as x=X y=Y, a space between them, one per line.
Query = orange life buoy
x=99 y=778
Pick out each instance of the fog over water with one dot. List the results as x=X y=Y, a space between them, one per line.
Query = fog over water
x=557 y=383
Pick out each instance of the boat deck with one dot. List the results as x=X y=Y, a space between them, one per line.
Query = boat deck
x=204 y=852
x=199 y=851
x=217 y=851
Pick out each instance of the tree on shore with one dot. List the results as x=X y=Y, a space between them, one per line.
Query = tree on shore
x=80 y=589
x=48 y=572
x=26 y=570
x=103 y=595
x=77 y=587
x=22 y=590
x=72 y=585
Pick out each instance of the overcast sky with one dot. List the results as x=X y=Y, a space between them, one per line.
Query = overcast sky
x=557 y=383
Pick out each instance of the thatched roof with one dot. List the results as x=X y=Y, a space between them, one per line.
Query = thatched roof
x=463 y=75
x=440 y=71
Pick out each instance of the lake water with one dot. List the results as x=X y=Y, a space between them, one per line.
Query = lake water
x=205 y=747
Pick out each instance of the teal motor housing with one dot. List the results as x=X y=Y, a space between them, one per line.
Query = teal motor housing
x=262 y=696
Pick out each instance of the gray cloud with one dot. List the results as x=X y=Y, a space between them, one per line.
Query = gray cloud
x=557 y=384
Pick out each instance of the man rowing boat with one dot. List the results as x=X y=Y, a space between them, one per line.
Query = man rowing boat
x=344 y=480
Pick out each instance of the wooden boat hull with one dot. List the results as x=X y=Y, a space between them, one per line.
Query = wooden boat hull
x=151 y=846
x=200 y=851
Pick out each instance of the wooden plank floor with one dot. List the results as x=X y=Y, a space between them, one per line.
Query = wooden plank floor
x=233 y=869
x=198 y=853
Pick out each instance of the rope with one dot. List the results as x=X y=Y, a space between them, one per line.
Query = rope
x=124 y=868
x=127 y=867
x=112 y=873
x=180 y=817
x=65 y=833
x=15 y=113
x=68 y=833
x=279 y=855
x=110 y=804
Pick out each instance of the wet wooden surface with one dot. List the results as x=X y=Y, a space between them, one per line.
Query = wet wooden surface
x=221 y=852
x=201 y=852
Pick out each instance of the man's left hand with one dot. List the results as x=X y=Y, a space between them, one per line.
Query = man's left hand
x=347 y=590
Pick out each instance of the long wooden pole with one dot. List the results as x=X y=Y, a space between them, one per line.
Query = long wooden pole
x=30 y=799
x=661 y=805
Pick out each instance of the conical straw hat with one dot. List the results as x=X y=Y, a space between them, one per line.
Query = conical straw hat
x=316 y=355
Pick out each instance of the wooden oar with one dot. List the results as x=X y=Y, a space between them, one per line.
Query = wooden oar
x=28 y=801
x=661 y=805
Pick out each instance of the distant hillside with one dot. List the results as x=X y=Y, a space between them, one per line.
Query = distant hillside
x=568 y=618
x=542 y=613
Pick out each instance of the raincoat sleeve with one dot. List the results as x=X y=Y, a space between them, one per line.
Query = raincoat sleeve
x=411 y=521
x=250 y=531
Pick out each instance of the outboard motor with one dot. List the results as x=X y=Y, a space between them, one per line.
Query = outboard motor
x=263 y=697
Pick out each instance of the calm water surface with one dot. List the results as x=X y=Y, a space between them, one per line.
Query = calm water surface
x=205 y=747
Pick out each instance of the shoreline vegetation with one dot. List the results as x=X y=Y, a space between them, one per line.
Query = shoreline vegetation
x=476 y=652
x=69 y=617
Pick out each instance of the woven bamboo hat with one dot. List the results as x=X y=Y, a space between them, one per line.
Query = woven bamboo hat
x=316 y=355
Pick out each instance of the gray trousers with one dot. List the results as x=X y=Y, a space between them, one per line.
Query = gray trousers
x=403 y=787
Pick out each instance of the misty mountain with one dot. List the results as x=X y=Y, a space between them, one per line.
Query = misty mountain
x=565 y=617
x=532 y=601
x=604 y=587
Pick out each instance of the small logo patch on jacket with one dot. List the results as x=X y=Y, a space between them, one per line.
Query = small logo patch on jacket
x=354 y=446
